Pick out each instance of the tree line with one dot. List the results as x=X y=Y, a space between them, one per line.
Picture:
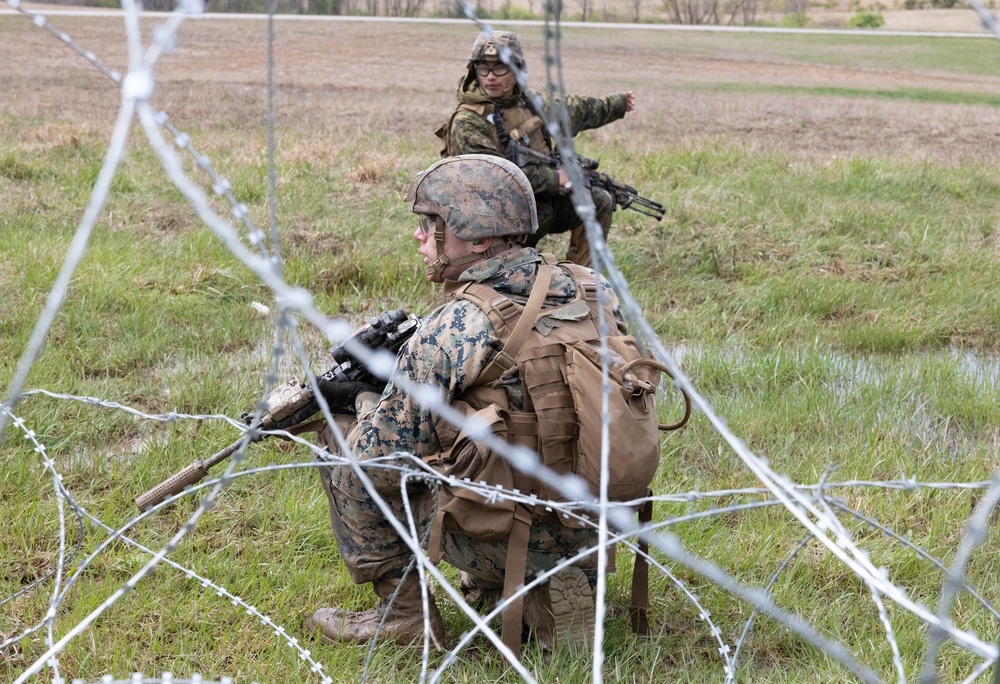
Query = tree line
x=740 y=12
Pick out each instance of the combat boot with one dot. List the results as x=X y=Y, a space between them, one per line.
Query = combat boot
x=560 y=613
x=481 y=599
x=404 y=619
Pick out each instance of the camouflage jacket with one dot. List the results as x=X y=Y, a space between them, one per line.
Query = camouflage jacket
x=450 y=349
x=470 y=133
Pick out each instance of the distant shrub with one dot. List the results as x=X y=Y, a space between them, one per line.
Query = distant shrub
x=867 y=20
x=794 y=20
x=518 y=14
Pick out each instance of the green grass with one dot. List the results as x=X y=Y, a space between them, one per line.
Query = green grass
x=822 y=300
x=837 y=314
x=956 y=55
x=909 y=94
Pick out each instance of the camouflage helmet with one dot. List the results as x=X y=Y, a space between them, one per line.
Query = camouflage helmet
x=476 y=196
x=487 y=49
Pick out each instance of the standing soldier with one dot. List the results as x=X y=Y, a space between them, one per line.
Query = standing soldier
x=493 y=111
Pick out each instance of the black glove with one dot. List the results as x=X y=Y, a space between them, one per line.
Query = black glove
x=340 y=396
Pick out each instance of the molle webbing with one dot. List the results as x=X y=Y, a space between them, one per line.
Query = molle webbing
x=524 y=127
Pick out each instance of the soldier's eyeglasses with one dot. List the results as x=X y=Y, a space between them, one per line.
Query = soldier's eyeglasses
x=428 y=224
x=498 y=68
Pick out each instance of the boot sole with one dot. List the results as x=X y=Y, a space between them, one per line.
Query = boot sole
x=572 y=606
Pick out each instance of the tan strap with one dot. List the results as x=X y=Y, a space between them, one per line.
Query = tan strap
x=502 y=312
x=480 y=109
x=514 y=569
x=434 y=550
x=506 y=357
x=639 y=610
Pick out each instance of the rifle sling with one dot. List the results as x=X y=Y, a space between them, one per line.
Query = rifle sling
x=639 y=610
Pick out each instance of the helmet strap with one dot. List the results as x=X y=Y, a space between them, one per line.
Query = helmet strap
x=435 y=269
x=497 y=248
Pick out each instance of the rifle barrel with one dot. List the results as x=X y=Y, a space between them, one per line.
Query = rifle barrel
x=192 y=474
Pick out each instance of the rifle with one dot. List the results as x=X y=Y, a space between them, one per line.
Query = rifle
x=293 y=402
x=624 y=196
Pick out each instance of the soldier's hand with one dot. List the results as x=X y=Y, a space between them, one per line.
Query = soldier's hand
x=564 y=182
x=629 y=101
x=340 y=396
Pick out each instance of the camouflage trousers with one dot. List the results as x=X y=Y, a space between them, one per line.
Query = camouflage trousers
x=557 y=215
x=373 y=550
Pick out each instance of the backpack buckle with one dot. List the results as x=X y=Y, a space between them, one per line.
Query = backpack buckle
x=505 y=308
x=504 y=361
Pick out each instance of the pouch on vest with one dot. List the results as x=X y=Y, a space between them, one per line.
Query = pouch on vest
x=467 y=511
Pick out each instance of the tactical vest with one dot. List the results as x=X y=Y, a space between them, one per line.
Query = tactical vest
x=519 y=124
x=556 y=353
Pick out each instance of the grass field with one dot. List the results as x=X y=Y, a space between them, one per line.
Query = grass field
x=825 y=274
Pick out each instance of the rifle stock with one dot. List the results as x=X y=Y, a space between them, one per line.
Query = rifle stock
x=293 y=403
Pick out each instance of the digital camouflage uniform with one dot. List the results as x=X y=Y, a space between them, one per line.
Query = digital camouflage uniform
x=470 y=133
x=450 y=350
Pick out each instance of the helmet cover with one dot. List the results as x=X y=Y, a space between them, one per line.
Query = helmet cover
x=476 y=196
x=502 y=46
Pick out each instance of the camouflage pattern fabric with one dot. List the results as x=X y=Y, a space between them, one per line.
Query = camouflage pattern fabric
x=485 y=49
x=470 y=133
x=449 y=350
x=477 y=196
x=558 y=215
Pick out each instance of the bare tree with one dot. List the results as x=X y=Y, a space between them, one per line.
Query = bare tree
x=711 y=11
x=741 y=11
x=692 y=11
x=403 y=8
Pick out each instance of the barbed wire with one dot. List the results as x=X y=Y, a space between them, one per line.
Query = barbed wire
x=809 y=505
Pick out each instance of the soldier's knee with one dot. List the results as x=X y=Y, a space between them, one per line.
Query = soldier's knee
x=603 y=201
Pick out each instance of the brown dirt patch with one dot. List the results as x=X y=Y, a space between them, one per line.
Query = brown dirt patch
x=342 y=82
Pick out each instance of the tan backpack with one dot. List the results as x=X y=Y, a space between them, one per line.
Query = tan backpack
x=557 y=355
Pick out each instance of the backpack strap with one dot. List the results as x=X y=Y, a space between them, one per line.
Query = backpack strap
x=513 y=579
x=501 y=310
x=639 y=610
x=505 y=358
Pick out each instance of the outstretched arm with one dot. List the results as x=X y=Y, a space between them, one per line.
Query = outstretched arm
x=586 y=113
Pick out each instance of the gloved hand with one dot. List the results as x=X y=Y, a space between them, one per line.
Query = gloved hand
x=341 y=395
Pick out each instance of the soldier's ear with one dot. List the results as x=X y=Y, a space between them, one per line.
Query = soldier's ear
x=482 y=245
